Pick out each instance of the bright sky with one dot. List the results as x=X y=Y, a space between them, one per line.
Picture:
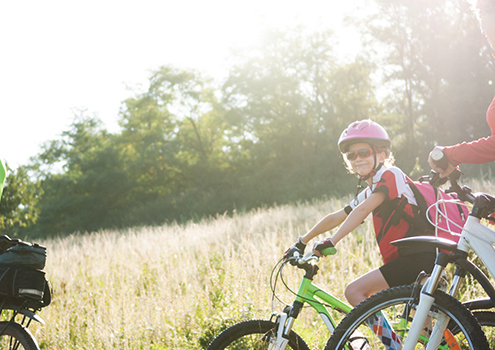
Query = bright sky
x=58 y=56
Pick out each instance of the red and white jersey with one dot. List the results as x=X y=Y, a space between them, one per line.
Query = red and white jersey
x=389 y=227
x=396 y=183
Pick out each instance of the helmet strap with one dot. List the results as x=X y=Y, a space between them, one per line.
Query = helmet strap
x=376 y=166
x=366 y=177
x=372 y=173
x=360 y=187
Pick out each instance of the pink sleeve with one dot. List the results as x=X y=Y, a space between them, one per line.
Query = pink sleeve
x=478 y=151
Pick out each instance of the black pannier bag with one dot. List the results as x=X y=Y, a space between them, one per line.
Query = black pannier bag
x=21 y=280
x=23 y=285
x=32 y=256
x=23 y=254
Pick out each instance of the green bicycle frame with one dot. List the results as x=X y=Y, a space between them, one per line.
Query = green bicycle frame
x=319 y=299
x=309 y=292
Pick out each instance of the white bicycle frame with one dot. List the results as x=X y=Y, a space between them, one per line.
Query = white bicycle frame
x=481 y=240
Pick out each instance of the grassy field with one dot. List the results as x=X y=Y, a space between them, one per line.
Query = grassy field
x=176 y=287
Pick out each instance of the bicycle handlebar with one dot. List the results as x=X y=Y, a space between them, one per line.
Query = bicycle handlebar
x=483 y=203
x=464 y=193
x=306 y=258
x=440 y=159
x=310 y=256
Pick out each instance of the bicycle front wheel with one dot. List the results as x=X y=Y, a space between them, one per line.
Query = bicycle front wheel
x=13 y=336
x=382 y=322
x=253 y=335
x=486 y=319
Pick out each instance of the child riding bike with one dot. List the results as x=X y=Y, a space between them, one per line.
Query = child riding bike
x=365 y=146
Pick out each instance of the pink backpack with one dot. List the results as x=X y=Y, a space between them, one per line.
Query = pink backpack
x=457 y=214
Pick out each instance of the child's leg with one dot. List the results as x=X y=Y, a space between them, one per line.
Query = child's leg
x=365 y=286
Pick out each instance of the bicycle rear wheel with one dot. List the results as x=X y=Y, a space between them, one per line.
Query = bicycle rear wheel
x=397 y=306
x=253 y=335
x=16 y=337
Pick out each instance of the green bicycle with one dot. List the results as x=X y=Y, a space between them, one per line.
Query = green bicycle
x=277 y=333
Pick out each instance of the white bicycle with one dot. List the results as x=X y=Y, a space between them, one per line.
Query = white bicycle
x=421 y=316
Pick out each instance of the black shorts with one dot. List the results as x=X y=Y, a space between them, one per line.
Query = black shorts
x=405 y=269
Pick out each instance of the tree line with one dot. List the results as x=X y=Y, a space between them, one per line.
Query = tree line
x=189 y=146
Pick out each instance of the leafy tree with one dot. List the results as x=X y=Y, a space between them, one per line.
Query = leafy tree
x=19 y=205
x=289 y=99
x=92 y=189
x=187 y=148
x=435 y=73
x=176 y=150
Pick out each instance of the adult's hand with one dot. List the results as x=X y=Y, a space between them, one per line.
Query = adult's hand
x=435 y=165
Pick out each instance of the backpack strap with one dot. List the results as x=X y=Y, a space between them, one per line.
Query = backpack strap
x=398 y=211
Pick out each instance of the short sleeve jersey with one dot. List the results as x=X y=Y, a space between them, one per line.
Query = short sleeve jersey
x=389 y=227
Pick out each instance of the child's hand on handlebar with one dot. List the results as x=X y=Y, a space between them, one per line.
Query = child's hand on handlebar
x=298 y=247
x=322 y=248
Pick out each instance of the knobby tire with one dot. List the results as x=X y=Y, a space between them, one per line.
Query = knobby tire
x=487 y=321
x=396 y=302
x=253 y=335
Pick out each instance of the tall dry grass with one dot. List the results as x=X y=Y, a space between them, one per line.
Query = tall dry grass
x=176 y=287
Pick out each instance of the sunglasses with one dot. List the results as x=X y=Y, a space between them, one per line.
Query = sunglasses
x=362 y=153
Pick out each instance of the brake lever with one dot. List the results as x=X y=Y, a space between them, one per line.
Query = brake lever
x=436 y=180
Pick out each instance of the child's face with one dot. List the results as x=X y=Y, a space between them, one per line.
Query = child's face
x=364 y=165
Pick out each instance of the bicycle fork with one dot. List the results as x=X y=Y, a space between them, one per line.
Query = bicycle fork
x=423 y=310
x=285 y=321
x=280 y=342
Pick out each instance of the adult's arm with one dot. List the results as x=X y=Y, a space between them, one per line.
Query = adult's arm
x=474 y=152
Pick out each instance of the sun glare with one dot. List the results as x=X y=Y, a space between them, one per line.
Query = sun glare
x=228 y=25
x=85 y=55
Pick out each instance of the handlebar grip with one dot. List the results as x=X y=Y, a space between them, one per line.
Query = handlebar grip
x=329 y=251
x=440 y=159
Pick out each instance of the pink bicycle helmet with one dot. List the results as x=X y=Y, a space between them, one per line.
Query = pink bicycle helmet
x=366 y=131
